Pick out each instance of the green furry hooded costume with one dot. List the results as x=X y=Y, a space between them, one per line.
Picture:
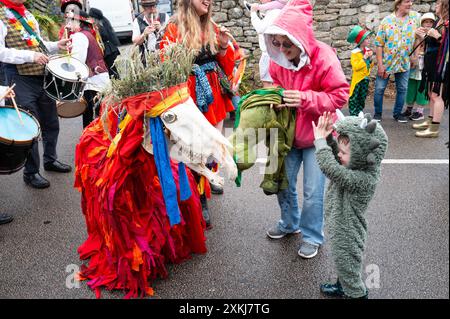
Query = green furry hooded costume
x=349 y=193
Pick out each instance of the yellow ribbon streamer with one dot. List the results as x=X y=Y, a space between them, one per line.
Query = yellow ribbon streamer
x=174 y=98
x=123 y=124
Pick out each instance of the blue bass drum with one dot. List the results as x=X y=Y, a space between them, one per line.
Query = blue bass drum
x=16 y=139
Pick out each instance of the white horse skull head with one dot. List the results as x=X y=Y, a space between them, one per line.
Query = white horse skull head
x=194 y=141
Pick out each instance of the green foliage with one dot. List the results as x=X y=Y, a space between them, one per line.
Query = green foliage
x=49 y=25
x=248 y=82
x=163 y=70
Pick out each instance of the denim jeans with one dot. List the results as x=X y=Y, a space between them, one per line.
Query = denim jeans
x=401 y=86
x=310 y=218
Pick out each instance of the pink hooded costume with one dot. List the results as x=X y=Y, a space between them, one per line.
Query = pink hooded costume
x=319 y=76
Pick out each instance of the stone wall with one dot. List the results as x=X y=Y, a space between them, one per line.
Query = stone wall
x=333 y=20
x=45 y=6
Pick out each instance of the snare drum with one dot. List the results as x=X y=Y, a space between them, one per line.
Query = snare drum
x=65 y=79
x=71 y=109
x=16 y=139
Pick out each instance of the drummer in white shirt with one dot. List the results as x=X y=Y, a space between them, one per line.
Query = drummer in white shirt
x=86 y=49
x=24 y=56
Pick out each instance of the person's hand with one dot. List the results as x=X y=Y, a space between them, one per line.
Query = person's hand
x=434 y=33
x=254 y=7
x=224 y=37
x=324 y=126
x=368 y=54
x=65 y=44
x=381 y=71
x=291 y=98
x=421 y=32
x=11 y=94
x=157 y=25
x=40 y=58
x=150 y=29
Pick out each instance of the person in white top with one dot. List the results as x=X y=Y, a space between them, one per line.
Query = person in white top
x=148 y=26
x=260 y=25
x=24 y=55
x=86 y=49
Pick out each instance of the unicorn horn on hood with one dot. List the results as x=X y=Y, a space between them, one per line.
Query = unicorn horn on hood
x=340 y=115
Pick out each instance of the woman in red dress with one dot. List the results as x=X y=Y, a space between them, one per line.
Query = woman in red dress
x=209 y=84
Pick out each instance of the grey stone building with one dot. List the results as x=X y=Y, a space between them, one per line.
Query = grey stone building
x=332 y=22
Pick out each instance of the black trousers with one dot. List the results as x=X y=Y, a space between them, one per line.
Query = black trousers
x=91 y=109
x=30 y=96
x=109 y=60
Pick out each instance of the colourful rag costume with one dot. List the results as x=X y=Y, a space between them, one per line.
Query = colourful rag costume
x=133 y=227
x=256 y=112
x=349 y=193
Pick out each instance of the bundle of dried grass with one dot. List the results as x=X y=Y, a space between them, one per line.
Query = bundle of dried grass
x=163 y=69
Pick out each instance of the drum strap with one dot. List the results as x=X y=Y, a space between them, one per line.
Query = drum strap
x=30 y=31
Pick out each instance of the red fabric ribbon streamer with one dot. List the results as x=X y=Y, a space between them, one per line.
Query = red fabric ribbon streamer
x=137 y=105
x=20 y=8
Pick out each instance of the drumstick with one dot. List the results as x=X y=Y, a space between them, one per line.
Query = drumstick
x=17 y=110
x=8 y=90
x=66 y=36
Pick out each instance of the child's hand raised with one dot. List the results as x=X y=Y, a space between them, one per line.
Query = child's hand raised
x=324 y=126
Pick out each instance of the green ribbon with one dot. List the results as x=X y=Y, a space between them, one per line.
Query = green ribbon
x=29 y=30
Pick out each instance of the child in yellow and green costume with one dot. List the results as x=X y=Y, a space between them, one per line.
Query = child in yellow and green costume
x=257 y=120
x=361 y=61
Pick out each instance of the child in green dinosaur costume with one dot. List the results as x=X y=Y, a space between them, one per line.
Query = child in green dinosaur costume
x=352 y=164
x=258 y=120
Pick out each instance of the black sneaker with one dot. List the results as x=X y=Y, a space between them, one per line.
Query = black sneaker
x=5 y=219
x=400 y=118
x=416 y=116
x=408 y=112
x=377 y=117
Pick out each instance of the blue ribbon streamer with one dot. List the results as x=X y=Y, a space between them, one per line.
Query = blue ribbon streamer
x=203 y=91
x=185 y=188
x=162 y=161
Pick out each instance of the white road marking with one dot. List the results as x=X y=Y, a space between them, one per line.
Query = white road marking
x=394 y=161
x=416 y=161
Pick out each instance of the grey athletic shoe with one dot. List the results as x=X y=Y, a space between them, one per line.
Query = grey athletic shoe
x=308 y=250
x=276 y=233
